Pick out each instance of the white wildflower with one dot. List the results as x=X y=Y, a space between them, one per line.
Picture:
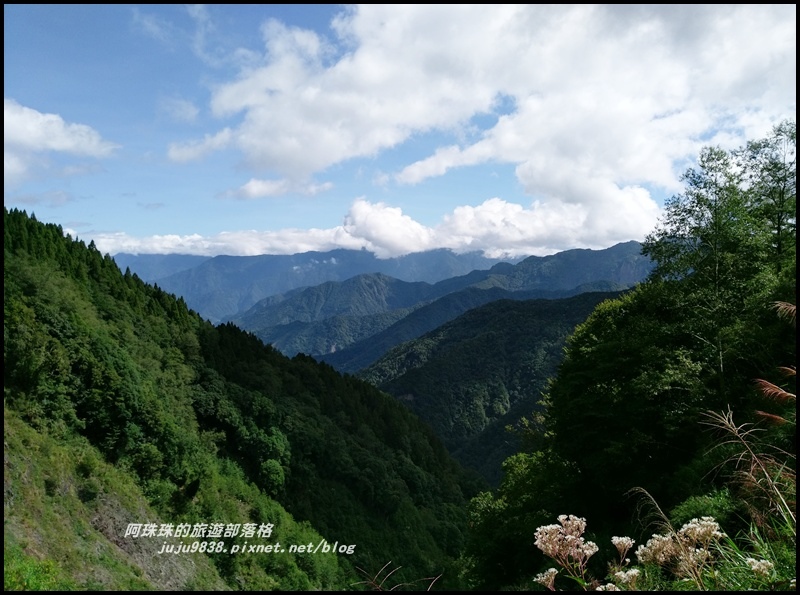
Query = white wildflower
x=565 y=544
x=702 y=530
x=572 y=524
x=762 y=567
x=659 y=549
x=547 y=578
x=548 y=539
x=627 y=576
x=589 y=549
x=623 y=544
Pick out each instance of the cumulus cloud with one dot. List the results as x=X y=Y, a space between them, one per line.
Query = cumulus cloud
x=30 y=130
x=28 y=134
x=385 y=230
x=634 y=93
x=495 y=227
x=303 y=113
x=594 y=104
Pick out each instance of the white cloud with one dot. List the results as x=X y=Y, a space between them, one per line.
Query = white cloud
x=256 y=188
x=189 y=151
x=28 y=133
x=302 y=115
x=623 y=92
x=238 y=243
x=385 y=230
x=499 y=227
x=495 y=227
x=29 y=130
x=15 y=168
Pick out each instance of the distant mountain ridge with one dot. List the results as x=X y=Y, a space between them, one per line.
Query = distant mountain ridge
x=224 y=286
x=151 y=267
x=350 y=324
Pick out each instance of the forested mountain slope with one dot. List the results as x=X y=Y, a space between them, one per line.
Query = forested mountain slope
x=332 y=315
x=208 y=425
x=482 y=371
x=427 y=317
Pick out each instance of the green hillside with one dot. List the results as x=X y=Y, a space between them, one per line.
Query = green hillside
x=145 y=413
x=327 y=317
x=482 y=371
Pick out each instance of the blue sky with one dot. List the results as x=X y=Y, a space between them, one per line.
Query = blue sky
x=252 y=129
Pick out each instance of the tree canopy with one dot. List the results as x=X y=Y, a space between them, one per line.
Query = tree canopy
x=625 y=407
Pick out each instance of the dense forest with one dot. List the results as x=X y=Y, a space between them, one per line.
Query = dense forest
x=474 y=376
x=123 y=406
x=208 y=425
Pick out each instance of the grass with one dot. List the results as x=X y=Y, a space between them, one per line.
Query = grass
x=65 y=510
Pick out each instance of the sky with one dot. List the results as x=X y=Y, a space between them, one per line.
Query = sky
x=277 y=129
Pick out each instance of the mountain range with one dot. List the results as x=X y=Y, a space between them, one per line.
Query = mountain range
x=224 y=286
x=350 y=324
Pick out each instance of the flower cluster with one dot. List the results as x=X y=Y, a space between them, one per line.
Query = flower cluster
x=688 y=548
x=547 y=578
x=762 y=567
x=628 y=577
x=659 y=549
x=623 y=544
x=564 y=542
x=701 y=531
x=688 y=552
